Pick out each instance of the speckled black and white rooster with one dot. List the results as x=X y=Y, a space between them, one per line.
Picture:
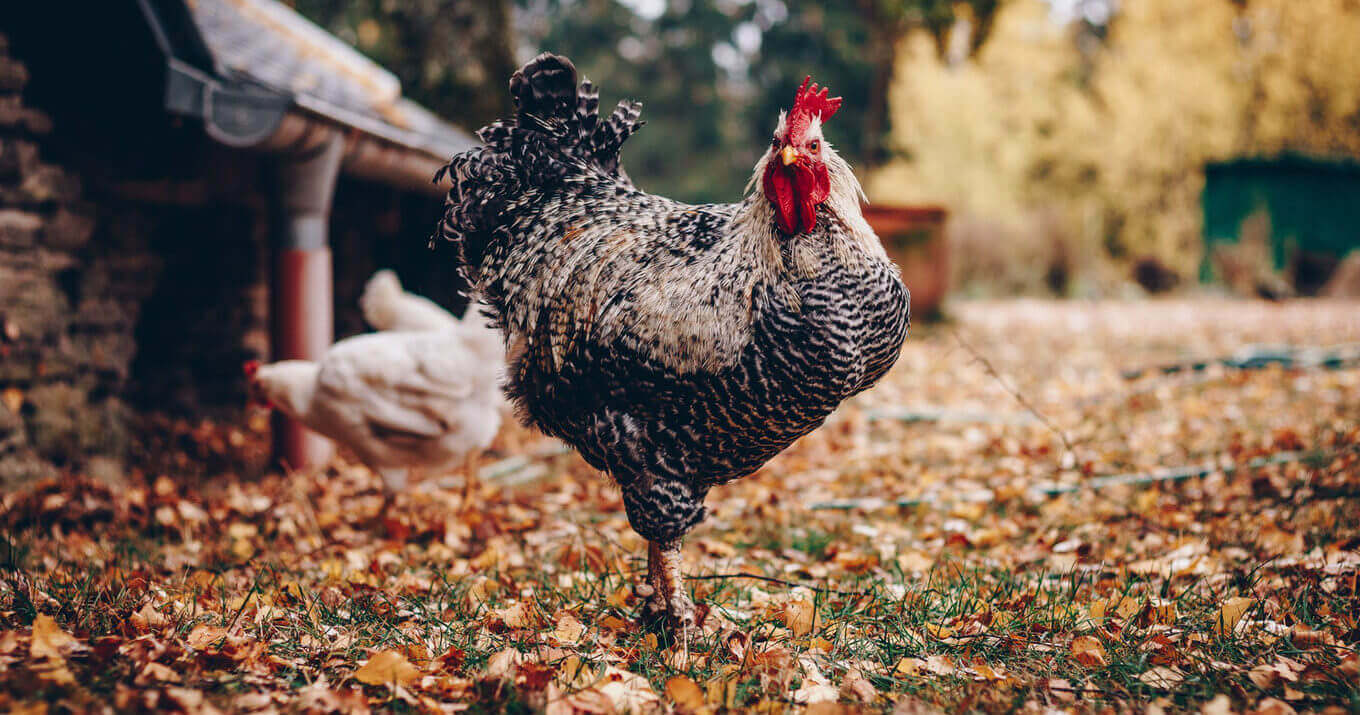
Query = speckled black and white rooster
x=676 y=347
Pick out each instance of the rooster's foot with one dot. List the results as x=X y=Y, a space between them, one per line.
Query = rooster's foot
x=666 y=607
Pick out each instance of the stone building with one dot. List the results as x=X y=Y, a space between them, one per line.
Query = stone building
x=183 y=186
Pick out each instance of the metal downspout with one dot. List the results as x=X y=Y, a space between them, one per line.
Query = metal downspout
x=302 y=320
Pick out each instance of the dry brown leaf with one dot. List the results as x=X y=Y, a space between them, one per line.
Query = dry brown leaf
x=204 y=636
x=387 y=667
x=1219 y=705
x=625 y=691
x=568 y=629
x=13 y=399
x=157 y=672
x=685 y=694
x=814 y=692
x=1163 y=677
x=1264 y=676
x=502 y=664
x=801 y=617
x=516 y=615
x=940 y=665
x=49 y=640
x=1160 y=612
x=1273 y=706
x=908 y=666
x=857 y=687
x=1088 y=651
x=1307 y=637
x=911 y=705
x=1231 y=614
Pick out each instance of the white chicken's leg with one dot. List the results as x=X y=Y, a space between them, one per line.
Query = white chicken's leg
x=665 y=591
x=471 y=484
x=394 y=480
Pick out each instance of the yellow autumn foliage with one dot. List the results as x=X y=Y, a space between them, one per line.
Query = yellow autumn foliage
x=1107 y=137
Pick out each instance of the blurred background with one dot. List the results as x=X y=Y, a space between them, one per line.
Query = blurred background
x=187 y=184
x=1081 y=147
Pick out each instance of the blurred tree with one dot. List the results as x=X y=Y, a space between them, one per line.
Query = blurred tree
x=1106 y=121
x=714 y=74
x=452 y=56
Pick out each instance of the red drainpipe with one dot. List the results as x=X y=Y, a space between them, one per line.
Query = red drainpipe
x=302 y=323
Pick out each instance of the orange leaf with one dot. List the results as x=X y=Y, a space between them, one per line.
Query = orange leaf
x=386 y=668
x=1088 y=651
x=49 y=640
x=800 y=616
x=685 y=694
x=1231 y=613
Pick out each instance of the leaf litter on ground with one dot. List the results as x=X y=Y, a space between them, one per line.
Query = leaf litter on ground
x=973 y=566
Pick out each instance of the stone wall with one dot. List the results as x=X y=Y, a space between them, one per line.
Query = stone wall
x=68 y=305
x=134 y=265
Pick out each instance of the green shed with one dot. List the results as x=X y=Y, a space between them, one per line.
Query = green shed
x=1313 y=206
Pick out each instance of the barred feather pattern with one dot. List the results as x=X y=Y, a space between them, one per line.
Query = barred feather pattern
x=676 y=347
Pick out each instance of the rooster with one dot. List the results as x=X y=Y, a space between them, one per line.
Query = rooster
x=675 y=347
x=401 y=401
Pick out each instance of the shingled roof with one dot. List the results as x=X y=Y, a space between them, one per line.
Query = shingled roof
x=265 y=42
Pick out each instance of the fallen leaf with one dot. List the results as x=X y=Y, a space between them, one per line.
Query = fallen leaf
x=387 y=667
x=1231 y=614
x=1307 y=637
x=568 y=629
x=1219 y=705
x=1163 y=677
x=908 y=666
x=625 y=691
x=13 y=399
x=49 y=640
x=685 y=694
x=911 y=705
x=940 y=665
x=856 y=687
x=812 y=692
x=1088 y=651
x=502 y=663
x=1273 y=706
x=204 y=636
x=1159 y=612
x=801 y=617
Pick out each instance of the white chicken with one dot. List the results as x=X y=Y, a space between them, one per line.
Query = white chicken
x=402 y=401
x=386 y=306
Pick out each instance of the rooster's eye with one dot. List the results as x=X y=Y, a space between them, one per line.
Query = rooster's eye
x=774 y=143
x=812 y=145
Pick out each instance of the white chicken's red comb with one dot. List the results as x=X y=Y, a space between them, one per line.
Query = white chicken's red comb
x=814 y=102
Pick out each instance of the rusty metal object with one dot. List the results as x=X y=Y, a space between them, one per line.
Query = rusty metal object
x=302 y=320
x=914 y=237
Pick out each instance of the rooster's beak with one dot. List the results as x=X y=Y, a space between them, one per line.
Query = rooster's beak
x=789 y=155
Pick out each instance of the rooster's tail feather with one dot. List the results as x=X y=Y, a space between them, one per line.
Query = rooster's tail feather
x=556 y=132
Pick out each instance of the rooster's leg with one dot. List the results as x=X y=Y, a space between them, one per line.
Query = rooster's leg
x=667 y=601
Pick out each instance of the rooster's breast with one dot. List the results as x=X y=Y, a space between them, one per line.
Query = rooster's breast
x=634 y=415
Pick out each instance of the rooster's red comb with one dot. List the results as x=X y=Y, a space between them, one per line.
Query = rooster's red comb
x=250 y=367
x=813 y=101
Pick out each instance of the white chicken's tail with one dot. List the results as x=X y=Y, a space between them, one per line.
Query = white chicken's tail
x=386 y=306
